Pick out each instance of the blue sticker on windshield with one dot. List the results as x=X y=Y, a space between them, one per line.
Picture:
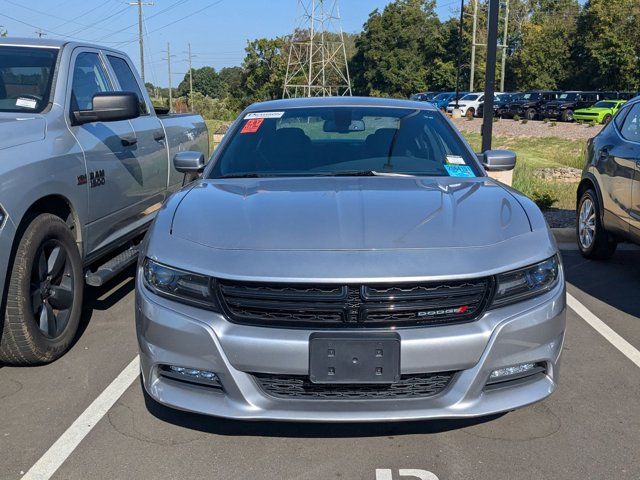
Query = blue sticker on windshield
x=459 y=171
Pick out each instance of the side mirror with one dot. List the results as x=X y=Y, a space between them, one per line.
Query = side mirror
x=189 y=162
x=498 y=160
x=110 y=107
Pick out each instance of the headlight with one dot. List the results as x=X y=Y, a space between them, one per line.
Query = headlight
x=178 y=285
x=527 y=282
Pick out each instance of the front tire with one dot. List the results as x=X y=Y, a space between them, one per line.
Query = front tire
x=567 y=115
x=44 y=296
x=594 y=241
x=607 y=118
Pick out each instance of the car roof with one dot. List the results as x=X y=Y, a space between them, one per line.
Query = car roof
x=33 y=42
x=285 y=104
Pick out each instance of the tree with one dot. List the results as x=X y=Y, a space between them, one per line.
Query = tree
x=397 y=51
x=543 y=59
x=263 y=70
x=205 y=80
x=608 y=47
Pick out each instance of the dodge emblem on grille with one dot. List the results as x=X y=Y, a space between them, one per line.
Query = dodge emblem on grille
x=447 y=311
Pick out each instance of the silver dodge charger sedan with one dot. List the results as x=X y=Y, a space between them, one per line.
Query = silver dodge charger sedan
x=348 y=259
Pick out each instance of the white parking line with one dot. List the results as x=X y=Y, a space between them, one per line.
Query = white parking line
x=603 y=329
x=69 y=441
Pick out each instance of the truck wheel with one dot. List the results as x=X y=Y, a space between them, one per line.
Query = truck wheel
x=607 y=118
x=567 y=115
x=530 y=114
x=471 y=112
x=594 y=241
x=44 y=296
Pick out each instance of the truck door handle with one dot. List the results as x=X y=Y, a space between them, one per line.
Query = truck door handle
x=128 y=141
x=158 y=135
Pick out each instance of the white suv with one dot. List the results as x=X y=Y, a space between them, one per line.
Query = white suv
x=468 y=104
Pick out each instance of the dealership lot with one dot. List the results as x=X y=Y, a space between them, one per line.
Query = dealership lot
x=588 y=429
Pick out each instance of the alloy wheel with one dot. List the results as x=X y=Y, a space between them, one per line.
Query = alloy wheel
x=587 y=224
x=52 y=288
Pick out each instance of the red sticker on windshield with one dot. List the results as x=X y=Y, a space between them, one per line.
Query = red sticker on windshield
x=252 y=126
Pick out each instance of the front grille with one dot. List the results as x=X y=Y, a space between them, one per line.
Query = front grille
x=300 y=387
x=354 y=306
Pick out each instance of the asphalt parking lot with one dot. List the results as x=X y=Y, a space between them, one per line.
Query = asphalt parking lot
x=589 y=429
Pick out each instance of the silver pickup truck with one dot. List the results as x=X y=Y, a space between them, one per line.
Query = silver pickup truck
x=85 y=164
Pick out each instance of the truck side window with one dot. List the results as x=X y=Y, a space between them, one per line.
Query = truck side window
x=89 y=78
x=127 y=80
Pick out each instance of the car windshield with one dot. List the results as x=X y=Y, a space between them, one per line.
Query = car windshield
x=605 y=105
x=529 y=96
x=345 y=141
x=471 y=97
x=443 y=96
x=568 y=96
x=25 y=78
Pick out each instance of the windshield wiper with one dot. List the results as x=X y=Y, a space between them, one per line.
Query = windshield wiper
x=366 y=173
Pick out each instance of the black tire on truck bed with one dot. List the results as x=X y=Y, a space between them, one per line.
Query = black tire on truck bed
x=39 y=282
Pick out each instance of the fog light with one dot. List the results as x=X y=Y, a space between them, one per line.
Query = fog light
x=515 y=372
x=190 y=375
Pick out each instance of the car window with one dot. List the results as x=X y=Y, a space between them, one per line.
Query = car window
x=89 y=78
x=631 y=125
x=619 y=118
x=326 y=141
x=127 y=80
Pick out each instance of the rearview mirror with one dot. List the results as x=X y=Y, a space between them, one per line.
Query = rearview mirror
x=189 y=162
x=110 y=107
x=498 y=160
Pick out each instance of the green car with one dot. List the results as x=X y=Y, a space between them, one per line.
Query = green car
x=601 y=112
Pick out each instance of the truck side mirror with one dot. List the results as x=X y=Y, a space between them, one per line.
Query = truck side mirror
x=189 y=162
x=498 y=160
x=110 y=107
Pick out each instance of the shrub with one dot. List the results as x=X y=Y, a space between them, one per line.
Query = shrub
x=469 y=118
x=524 y=121
x=553 y=124
x=545 y=120
x=579 y=122
x=544 y=200
x=516 y=118
x=496 y=119
x=591 y=124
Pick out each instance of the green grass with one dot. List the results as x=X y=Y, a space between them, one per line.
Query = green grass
x=534 y=153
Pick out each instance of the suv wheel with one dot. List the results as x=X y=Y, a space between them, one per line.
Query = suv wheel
x=530 y=114
x=594 y=241
x=44 y=296
x=567 y=115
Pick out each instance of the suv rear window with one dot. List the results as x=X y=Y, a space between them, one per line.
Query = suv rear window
x=327 y=141
x=26 y=75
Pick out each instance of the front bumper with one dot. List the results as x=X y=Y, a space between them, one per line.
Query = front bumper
x=175 y=334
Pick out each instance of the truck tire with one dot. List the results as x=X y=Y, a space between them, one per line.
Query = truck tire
x=594 y=241
x=471 y=112
x=531 y=114
x=567 y=115
x=44 y=295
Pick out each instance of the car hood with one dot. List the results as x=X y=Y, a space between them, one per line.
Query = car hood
x=346 y=213
x=18 y=129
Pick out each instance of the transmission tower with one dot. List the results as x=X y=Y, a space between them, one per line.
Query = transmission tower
x=317 y=65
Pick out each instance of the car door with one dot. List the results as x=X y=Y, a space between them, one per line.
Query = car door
x=615 y=162
x=630 y=133
x=150 y=149
x=112 y=173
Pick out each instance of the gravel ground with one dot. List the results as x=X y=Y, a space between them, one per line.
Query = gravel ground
x=533 y=129
x=558 y=218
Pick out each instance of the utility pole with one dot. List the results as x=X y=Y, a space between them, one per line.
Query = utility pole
x=490 y=74
x=140 y=4
x=459 y=53
x=169 y=67
x=505 y=47
x=190 y=78
x=474 y=45
x=40 y=33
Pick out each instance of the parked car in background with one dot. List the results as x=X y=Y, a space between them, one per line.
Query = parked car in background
x=608 y=208
x=502 y=99
x=468 y=104
x=601 y=112
x=423 y=97
x=85 y=165
x=442 y=100
x=348 y=259
x=527 y=105
x=568 y=102
x=627 y=95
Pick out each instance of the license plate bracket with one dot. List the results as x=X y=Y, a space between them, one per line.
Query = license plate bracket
x=354 y=358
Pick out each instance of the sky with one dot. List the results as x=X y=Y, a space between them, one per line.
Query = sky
x=218 y=30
